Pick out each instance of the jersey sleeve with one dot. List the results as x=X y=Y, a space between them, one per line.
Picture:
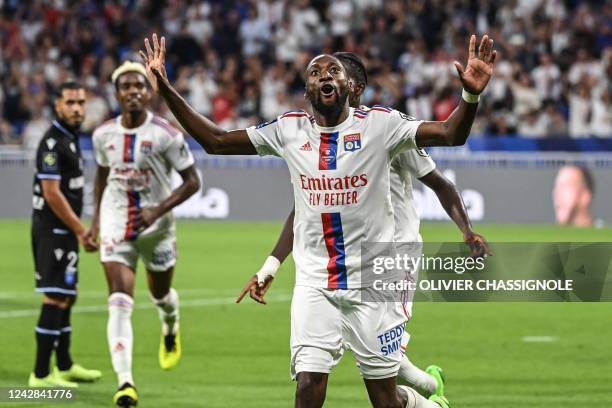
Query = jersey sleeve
x=401 y=132
x=178 y=153
x=99 y=151
x=48 y=163
x=266 y=137
x=418 y=162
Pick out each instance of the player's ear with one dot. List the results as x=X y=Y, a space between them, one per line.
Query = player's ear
x=359 y=88
x=57 y=105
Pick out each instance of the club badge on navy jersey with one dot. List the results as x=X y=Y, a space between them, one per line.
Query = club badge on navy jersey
x=146 y=147
x=49 y=161
x=352 y=142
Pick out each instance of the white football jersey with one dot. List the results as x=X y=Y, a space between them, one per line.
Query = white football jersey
x=341 y=184
x=141 y=161
x=415 y=163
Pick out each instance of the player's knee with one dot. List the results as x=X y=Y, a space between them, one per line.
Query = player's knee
x=167 y=301
x=310 y=387
x=120 y=304
x=60 y=301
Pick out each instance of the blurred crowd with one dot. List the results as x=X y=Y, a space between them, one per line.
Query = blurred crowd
x=241 y=62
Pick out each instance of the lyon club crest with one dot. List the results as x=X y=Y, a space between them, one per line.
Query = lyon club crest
x=352 y=142
x=146 y=147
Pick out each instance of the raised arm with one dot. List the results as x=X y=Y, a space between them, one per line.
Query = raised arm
x=453 y=204
x=212 y=138
x=455 y=130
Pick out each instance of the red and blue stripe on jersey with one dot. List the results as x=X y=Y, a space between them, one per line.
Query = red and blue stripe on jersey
x=332 y=222
x=132 y=211
x=360 y=114
x=334 y=242
x=129 y=144
x=328 y=151
x=381 y=108
x=294 y=114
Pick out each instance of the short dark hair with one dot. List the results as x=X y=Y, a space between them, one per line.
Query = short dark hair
x=59 y=92
x=354 y=66
x=587 y=176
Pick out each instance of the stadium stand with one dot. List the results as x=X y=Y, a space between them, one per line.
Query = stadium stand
x=241 y=61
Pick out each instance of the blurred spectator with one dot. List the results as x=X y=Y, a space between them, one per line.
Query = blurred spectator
x=580 y=110
x=601 y=118
x=242 y=61
x=202 y=89
x=546 y=77
x=254 y=33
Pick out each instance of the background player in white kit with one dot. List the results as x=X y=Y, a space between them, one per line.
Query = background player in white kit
x=136 y=153
x=404 y=166
x=342 y=198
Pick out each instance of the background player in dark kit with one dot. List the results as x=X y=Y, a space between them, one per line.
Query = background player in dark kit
x=56 y=232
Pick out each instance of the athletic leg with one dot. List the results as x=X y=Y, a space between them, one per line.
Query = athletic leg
x=385 y=393
x=316 y=342
x=311 y=390
x=166 y=300
x=48 y=332
x=121 y=280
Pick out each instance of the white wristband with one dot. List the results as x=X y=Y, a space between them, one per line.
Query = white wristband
x=269 y=268
x=469 y=97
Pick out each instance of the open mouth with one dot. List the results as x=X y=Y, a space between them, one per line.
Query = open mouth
x=327 y=89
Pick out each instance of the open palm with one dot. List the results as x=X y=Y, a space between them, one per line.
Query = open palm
x=154 y=60
x=479 y=68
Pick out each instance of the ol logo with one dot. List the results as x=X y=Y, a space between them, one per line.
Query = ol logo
x=352 y=142
x=146 y=147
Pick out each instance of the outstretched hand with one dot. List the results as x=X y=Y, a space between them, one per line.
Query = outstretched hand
x=479 y=247
x=479 y=68
x=154 y=61
x=255 y=289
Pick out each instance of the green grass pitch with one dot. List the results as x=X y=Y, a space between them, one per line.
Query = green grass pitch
x=238 y=355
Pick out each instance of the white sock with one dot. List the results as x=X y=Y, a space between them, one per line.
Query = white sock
x=413 y=376
x=416 y=400
x=168 y=307
x=120 y=337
